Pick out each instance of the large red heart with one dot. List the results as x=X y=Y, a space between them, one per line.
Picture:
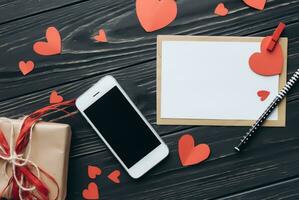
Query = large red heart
x=191 y=154
x=114 y=176
x=267 y=63
x=26 y=67
x=155 y=14
x=52 y=46
x=92 y=192
x=257 y=4
x=93 y=171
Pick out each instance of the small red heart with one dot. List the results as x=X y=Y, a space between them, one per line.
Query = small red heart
x=267 y=63
x=93 y=171
x=114 y=176
x=257 y=4
x=221 y=10
x=155 y=14
x=101 y=37
x=263 y=94
x=191 y=154
x=52 y=46
x=55 y=97
x=92 y=193
x=26 y=67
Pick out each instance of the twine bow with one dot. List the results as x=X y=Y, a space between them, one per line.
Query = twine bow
x=16 y=160
x=25 y=183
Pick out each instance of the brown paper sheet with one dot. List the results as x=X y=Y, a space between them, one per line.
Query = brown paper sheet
x=50 y=151
x=218 y=122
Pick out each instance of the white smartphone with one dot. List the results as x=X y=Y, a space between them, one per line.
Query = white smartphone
x=121 y=126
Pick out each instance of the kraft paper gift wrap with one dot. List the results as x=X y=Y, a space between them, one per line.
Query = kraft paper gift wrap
x=50 y=151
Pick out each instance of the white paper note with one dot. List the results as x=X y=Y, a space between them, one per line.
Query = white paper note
x=212 y=80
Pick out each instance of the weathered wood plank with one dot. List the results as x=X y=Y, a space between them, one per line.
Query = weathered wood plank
x=283 y=190
x=16 y=9
x=129 y=44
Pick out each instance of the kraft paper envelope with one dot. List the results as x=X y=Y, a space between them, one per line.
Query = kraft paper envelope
x=50 y=151
x=207 y=80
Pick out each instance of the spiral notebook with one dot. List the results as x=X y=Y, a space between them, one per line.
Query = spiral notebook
x=206 y=80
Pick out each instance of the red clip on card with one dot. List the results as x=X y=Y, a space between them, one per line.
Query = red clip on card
x=276 y=35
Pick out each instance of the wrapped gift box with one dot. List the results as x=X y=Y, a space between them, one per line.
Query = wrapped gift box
x=50 y=151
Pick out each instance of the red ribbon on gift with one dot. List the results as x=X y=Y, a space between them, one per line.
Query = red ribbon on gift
x=30 y=179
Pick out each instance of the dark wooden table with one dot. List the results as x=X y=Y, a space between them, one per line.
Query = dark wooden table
x=267 y=169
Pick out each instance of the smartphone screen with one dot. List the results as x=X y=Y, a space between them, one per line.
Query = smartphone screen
x=122 y=127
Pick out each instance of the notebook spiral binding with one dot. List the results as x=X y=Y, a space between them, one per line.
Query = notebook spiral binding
x=268 y=111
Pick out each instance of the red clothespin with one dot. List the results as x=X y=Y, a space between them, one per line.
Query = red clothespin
x=276 y=35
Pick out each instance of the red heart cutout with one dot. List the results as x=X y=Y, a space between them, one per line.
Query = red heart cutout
x=26 y=67
x=257 y=4
x=114 y=176
x=221 y=10
x=267 y=63
x=92 y=192
x=52 y=46
x=55 y=97
x=263 y=94
x=93 y=171
x=155 y=14
x=101 y=37
x=191 y=154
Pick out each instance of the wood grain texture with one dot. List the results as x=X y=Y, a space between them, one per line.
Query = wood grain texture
x=128 y=45
x=268 y=168
x=17 y=9
x=284 y=190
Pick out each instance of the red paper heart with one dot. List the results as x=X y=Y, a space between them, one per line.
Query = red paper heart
x=92 y=192
x=221 y=10
x=55 y=97
x=101 y=37
x=26 y=67
x=93 y=171
x=114 y=176
x=52 y=46
x=191 y=154
x=257 y=4
x=267 y=63
x=155 y=14
x=263 y=94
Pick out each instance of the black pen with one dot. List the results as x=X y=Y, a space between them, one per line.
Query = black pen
x=291 y=82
